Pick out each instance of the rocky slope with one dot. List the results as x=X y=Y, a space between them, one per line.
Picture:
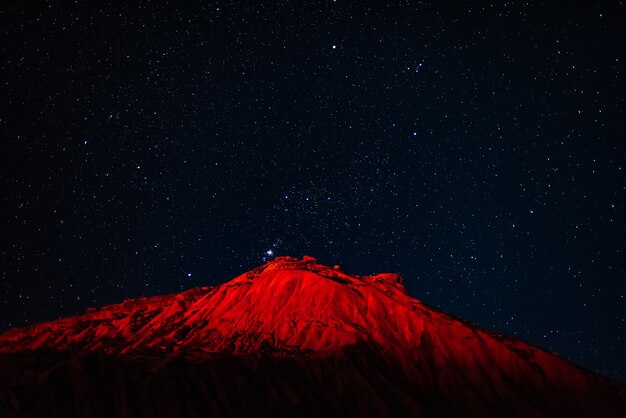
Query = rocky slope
x=290 y=338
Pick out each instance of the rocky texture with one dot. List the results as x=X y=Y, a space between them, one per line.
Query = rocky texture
x=290 y=338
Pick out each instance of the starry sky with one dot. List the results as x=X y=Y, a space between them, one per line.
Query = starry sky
x=477 y=149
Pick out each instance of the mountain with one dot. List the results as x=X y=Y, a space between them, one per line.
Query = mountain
x=291 y=338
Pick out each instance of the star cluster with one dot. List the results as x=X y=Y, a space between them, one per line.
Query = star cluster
x=475 y=149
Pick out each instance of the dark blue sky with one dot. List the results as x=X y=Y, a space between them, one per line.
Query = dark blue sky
x=476 y=149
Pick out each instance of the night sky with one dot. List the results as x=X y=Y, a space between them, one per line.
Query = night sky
x=477 y=149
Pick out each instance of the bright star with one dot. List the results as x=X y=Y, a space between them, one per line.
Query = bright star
x=269 y=252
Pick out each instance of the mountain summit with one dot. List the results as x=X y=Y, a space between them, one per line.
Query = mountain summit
x=288 y=306
x=292 y=338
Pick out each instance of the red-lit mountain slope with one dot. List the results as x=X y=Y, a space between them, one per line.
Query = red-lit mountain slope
x=290 y=338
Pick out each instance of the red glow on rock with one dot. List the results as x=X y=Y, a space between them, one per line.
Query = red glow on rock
x=300 y=310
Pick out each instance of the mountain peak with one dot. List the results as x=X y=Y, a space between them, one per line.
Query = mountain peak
x=287 y=262
x=293 y=312
x=288 y=305
x=310 y=264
